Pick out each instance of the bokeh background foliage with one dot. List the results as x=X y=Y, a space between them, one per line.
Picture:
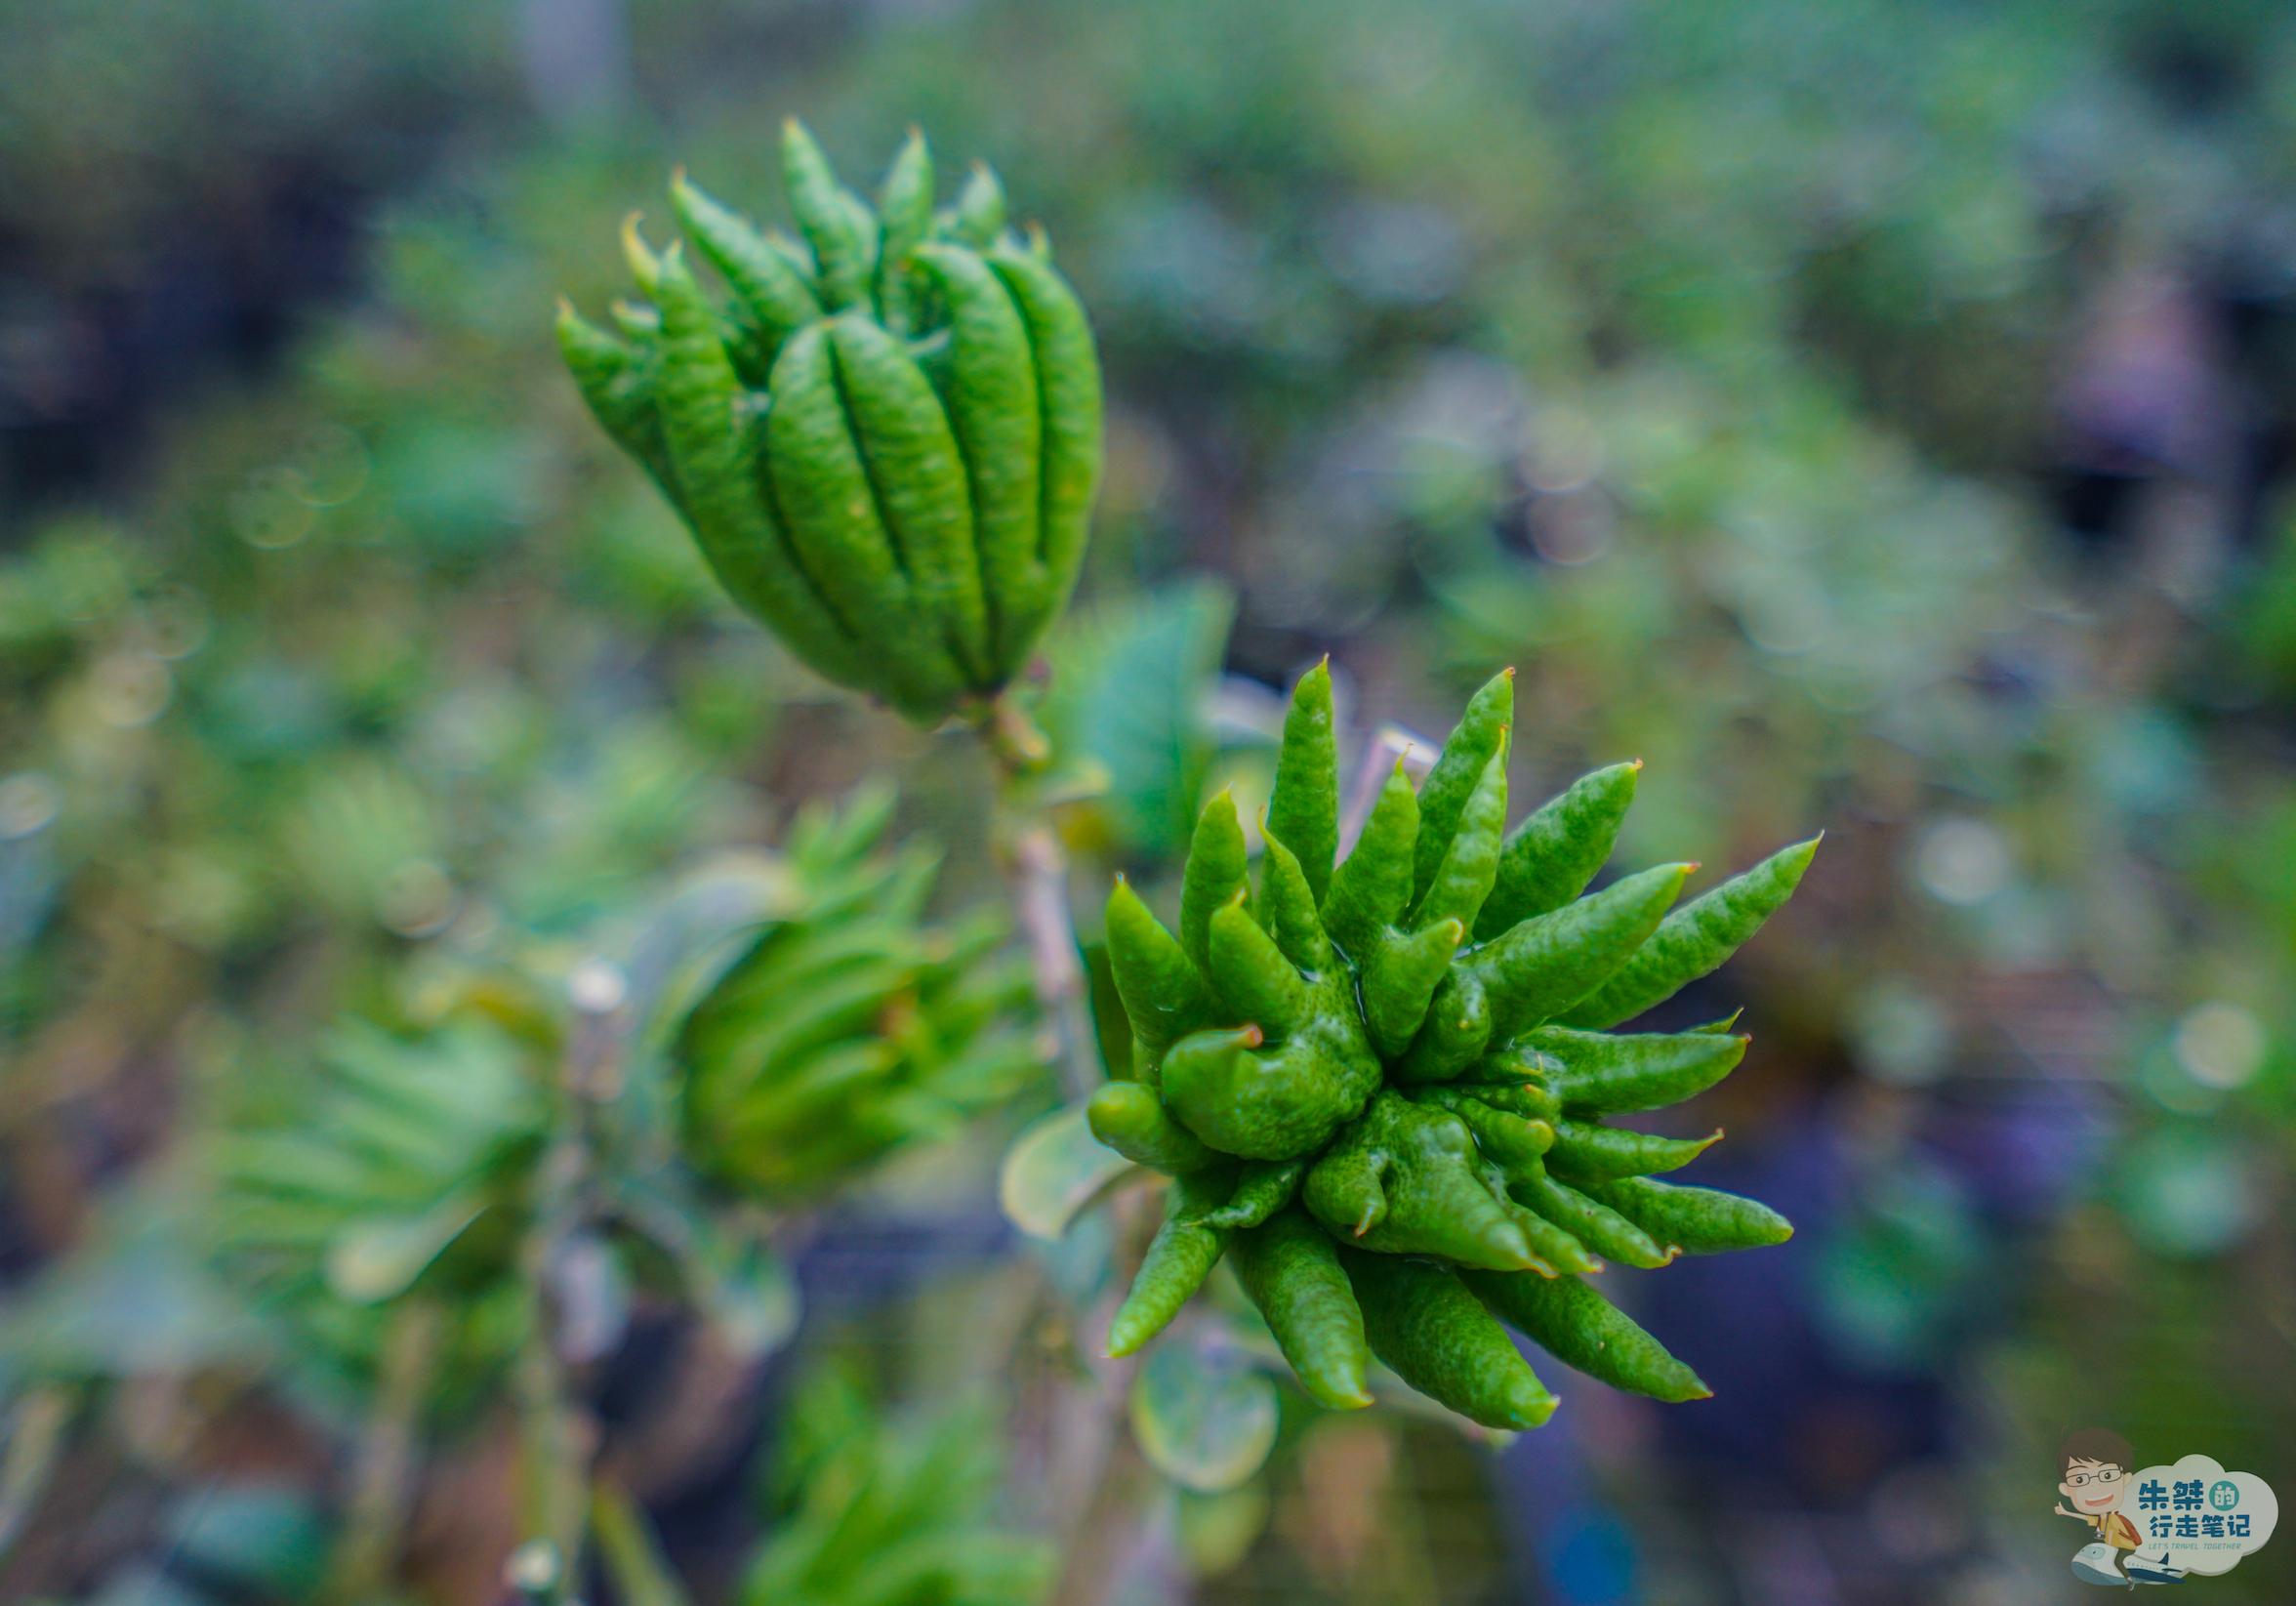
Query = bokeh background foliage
x=1872 y=416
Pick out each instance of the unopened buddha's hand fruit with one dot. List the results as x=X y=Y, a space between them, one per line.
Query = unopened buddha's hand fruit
x=1385 y=1084
x=884 y=434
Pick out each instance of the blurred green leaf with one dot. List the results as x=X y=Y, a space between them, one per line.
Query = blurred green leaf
x=1054 y=1170
x=1205 y=1415
x=1131 y=680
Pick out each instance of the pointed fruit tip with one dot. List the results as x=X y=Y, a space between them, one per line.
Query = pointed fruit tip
x=1537 y=1413
x=1252 y=1037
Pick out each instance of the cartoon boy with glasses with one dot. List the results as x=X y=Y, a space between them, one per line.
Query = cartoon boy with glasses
x=2093 y=1471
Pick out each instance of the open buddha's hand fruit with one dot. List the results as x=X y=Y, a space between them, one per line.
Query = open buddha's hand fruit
x=1383 y=1085
x=886 y=436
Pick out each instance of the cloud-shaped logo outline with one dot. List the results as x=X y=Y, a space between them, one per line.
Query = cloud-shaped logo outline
x=2209 y=1557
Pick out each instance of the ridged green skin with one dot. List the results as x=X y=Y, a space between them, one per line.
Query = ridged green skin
x=851 y=1027
x=886 y=439
x=1420 y=1082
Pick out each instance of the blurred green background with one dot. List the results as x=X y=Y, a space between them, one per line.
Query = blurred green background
x=1875 y=416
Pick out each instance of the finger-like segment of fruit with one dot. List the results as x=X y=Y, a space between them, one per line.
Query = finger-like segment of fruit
x=1587 y=1151
x=1273 y=1104
x=1479 y=737
x=638 y=320
x=1372 y=888
x=1506 y=1136
x=1262 y=1189
x=1303 y=810
x=834 y=221
x=1130 y=1119
x=1587 y=1219
x=1558 y=849
x=713 y=453
x=905 y=204
x=1252 y=977
x=1454 y=1034
x=1601 y=1073
x=1462 y=877
x=771 y=299
x=1068 y=385
x=917 y=482
x=1291 y=1270
x=1694 y=1220
x=1575 y=1325
x=821 y=486
x=1179 y=1258
x=1549 y=963
x=978 y=218
x=1556 y=1250
x=1287 y=908
x=1406 y=1179
x=1399 y=980
x=1437 y=1337
x=617 y=385
x=989 y=382
x=1163 y=994
x=1697 y=938
x=1218 y=868
x=1526 y=1099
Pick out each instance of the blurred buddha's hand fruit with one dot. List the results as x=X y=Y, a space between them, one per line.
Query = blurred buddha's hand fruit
x=851 y=1027
x=1405 y=1056
x=886 y=436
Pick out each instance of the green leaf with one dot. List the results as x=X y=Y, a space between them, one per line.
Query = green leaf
x=1204 y=1416
x=374 y=1261
x=1054 y=1170
x=1129 y=686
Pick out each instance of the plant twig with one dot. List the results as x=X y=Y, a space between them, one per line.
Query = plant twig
x=1036 y=871
x=626 y=1545
x=554 y=1443
x=1093 y=1476
x=382 y=1486
x=35 y=1438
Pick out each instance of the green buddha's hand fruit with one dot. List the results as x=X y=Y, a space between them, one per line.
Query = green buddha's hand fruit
x=1382 y=1083
x=850 y=1027
x=885 y=437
